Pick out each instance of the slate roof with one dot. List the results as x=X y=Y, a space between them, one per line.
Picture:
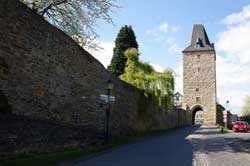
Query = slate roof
x=178 y=94
x=199 y=40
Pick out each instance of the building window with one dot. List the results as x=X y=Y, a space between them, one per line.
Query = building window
x=197 y=99
x=197 y=89
x=199 y=69
x=198 y=56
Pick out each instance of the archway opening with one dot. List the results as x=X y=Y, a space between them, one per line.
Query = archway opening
x=197 y=116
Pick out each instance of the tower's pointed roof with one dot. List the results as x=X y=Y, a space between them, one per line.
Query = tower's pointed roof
x=199 y=40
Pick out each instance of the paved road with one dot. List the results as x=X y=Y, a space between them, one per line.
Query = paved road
x=197 y=146
x=211 y=148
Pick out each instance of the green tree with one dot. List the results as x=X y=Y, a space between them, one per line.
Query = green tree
x=77 y=18
x=125 y=39
x=143 y=76
x=245 y=110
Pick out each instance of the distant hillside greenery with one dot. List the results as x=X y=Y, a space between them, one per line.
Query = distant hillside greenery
x=144 y=77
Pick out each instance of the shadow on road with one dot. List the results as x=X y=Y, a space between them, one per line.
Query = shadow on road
x=239 y=144
x=172 y=149
x=221 y=142
x=210 y=147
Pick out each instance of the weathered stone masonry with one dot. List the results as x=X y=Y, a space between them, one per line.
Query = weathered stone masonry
x=199 y=75
x=51 y=83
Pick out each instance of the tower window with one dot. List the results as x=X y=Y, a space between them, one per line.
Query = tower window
x=199 y=69
x=197 y=89
x=197 y=99
x=199 y=42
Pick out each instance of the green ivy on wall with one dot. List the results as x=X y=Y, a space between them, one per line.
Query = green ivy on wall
x=144 y=77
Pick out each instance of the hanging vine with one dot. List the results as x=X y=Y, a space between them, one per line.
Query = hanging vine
x=144 y=77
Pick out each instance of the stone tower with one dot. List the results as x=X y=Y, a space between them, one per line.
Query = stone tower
x=199 y=76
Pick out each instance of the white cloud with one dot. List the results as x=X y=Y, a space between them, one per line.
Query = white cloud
x=237 y=18
x=164 y=27
x=173 y=48
x=150 y=32
x=232 y=82
x=105 y=54
x=233 y=69
x=179 y=79
x=175 y=28
x=157 y=67
x=235 y=42
x=156 y=33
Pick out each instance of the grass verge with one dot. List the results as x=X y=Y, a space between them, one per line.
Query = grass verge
x=53 y=159
x=223 y=129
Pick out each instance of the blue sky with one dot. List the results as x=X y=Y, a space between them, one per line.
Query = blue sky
x=163 y=30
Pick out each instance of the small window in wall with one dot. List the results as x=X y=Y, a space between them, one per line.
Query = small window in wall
x=199 y=69
x=197 y=99
x=197 y=89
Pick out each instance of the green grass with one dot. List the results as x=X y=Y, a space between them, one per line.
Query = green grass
x=223 y=129
x=53 y=159
x=226 y=130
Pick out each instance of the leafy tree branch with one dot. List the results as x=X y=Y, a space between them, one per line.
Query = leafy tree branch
x=77 y=18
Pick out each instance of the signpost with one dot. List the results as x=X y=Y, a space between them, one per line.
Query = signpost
x=107 y=98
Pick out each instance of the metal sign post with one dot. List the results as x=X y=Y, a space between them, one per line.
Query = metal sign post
x=107 y=99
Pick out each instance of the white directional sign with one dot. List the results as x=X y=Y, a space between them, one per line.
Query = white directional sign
x=106 y=98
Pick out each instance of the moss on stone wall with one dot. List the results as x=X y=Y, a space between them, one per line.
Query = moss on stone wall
x=145 y=105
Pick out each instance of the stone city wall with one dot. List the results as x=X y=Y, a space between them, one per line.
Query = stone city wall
x=49 y=83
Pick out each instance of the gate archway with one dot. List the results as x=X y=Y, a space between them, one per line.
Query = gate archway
x=197 y=115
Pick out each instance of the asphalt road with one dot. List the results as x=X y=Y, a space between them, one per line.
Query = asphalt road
x=164 y=150
x=212 y=148
x=194 y=145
